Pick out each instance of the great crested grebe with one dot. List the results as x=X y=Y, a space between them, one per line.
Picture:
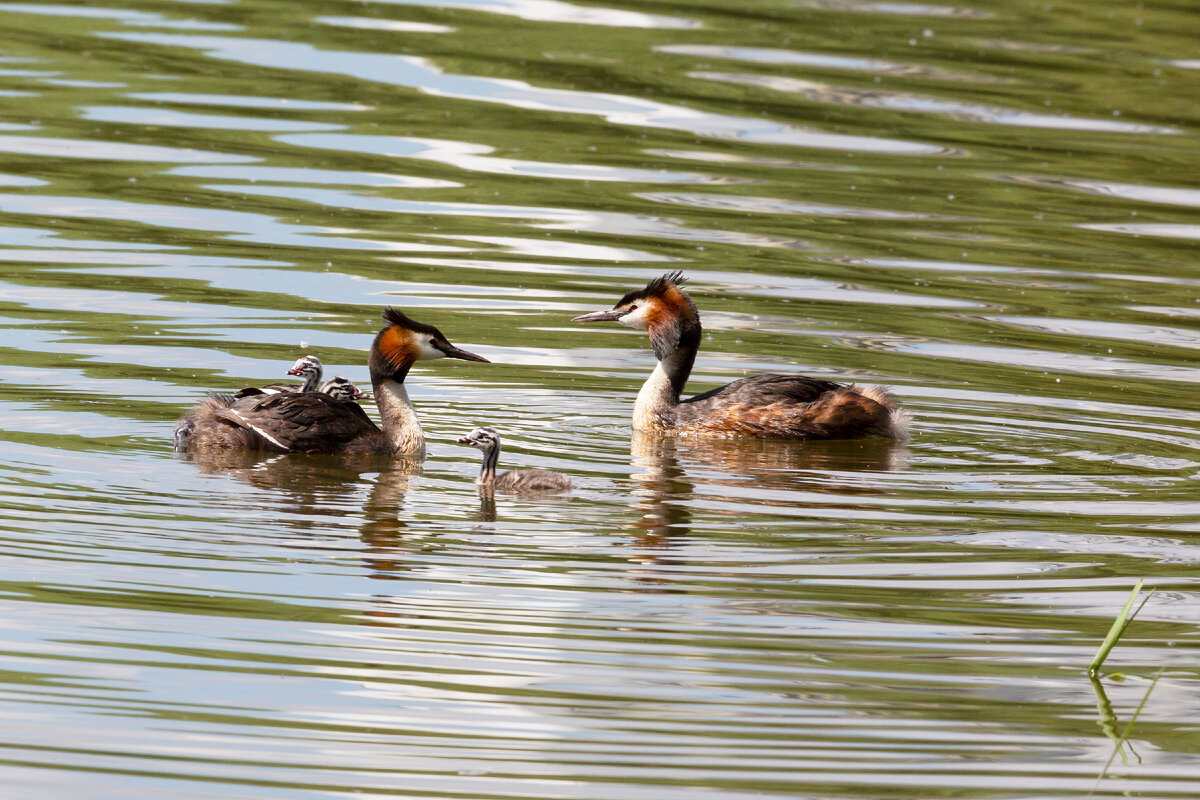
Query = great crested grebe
x=768 y=406
x=315 y=422
x=309 y=367
x=517 y=480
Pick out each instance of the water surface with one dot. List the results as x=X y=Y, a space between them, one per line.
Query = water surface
x=989 y=207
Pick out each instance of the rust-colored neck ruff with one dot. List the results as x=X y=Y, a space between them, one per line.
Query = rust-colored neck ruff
x=392 y=354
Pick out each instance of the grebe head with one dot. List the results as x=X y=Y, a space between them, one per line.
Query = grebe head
x=485 y=439
x=662 y=309
x=308 y=366
x=405 y=341
x=342 y=390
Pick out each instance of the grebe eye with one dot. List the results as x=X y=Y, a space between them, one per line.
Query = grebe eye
x=633 y=308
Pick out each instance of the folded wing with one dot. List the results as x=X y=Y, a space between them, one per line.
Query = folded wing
x=297 y=422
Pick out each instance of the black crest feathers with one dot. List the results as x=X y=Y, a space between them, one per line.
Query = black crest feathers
x=394 y=316
x=655 y=288
x=659 y=285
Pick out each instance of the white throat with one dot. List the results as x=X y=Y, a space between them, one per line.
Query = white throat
x=400 y=424
x=655 y=398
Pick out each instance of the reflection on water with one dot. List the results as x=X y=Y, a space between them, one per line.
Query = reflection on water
x=314 y=488
x=987 y=208
x=671 y=470
x=313 y=482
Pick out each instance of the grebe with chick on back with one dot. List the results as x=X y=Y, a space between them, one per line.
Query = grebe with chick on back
x=767 y=406
x=316 y=422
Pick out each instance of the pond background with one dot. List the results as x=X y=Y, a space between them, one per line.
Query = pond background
x=989 y=206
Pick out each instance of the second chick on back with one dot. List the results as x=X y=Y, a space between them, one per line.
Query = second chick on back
x=342 y=389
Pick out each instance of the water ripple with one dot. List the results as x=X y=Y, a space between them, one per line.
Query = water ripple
x=236 y=224
x=246 y=101
x=774 y=205
x=548 y=218
x=557 y=11
x=1097 y=329
x=420 y=74
x=1128 y=191
x=60 y=147
x=475 y=158
x=127 y=16
x=129 y=115
x=905 y=9
x=762 y=55
x=1030 y=358
x=311 y=176
x=372 y=24
x=1167 y=230
x=900 y=101
x=721 y=618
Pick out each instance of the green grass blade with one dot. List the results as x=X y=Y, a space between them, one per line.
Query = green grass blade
x=1118 y=627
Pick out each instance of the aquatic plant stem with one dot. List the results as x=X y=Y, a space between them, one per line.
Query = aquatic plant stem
x=1118 y=627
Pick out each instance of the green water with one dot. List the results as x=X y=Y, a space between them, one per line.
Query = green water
x=990 y=207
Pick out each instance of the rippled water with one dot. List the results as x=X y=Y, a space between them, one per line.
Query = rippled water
x=990 y=207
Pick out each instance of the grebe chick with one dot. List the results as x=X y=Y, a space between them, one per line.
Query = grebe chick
x=517 y=480
x=315 y=422
x=342 y=390
x=767 y=406
x=308 y=366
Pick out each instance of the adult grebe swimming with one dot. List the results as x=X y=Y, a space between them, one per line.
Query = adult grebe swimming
x=316 y=422
x=769 y=406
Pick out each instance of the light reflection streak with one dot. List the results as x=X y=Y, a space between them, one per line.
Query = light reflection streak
x=419 y=73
